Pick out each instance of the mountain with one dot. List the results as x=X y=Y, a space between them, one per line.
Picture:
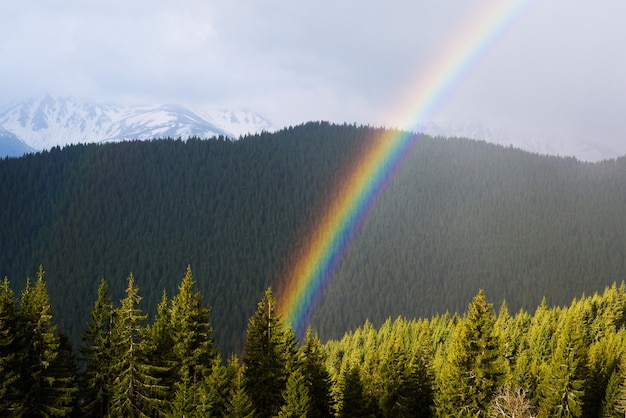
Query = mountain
x=45 y=122
x=536 y=142
x=11 y=145
x=456 y=216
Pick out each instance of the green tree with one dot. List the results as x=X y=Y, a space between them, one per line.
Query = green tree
x=317 y=377
x=562 y=388
x=352 y=401
x=136 y=391
x=269 y=353
x=48 y=389
x=473 y=370
x=191 y=333
x=296 y=397
x=9 y=352
x=97 y=355
x=239 y=403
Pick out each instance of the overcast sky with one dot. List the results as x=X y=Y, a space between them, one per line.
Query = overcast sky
x=557 y=69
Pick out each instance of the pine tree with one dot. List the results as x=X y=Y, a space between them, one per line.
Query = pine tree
x=214 y=390
x=352 y=397
x=473 y=370
x=394 y=380
x=562 y=388
x=193 y=356
x=97 y=354
x=406 y=383
x=10 y=404
x=611 y=407
x=615 y=401
x=47 y=388
x=157 y=347
x=191 y=333
x=296 y=397
x=317 y=377
x=136 y=391
x=269 y=352
x=239 y=403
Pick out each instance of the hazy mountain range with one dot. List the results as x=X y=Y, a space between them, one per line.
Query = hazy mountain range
x=534 y=142
x=41 y=123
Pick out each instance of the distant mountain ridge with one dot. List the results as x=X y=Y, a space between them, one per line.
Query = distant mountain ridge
x=41 y=123
x=535 y=143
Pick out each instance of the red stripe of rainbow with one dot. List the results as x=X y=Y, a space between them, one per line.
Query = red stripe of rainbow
x=369 y=175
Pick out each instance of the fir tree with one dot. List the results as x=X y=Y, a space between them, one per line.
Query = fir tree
x=473 y=370
x=47 y=387
x=9 y=366
x=612 y=406
x=239 y=403
x=296 y=397
x=317 y=377
x=136 y=391
x=191 y=334
x=352 y=397
x=97 y=355
x=562 y=388
x=269 y=352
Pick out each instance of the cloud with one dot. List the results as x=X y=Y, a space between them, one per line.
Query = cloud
x=558 y=68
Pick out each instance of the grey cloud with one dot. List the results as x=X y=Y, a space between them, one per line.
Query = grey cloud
x=558 y=68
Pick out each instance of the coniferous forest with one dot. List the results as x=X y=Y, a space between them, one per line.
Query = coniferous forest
x=111 y=329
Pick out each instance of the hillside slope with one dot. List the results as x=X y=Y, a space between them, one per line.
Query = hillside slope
x=458 y=215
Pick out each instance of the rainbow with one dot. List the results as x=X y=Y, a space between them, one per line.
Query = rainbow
x=367 y=177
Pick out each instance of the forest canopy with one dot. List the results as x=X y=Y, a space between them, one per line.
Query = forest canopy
x=565 y=361
x=457 y=216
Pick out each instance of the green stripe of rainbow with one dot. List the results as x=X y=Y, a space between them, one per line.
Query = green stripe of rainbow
x=368 y=176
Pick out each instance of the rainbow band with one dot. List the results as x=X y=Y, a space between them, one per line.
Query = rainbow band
x=369 y=175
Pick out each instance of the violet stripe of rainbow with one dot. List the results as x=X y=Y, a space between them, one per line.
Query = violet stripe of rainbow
x=329 y=240
x=368 y=176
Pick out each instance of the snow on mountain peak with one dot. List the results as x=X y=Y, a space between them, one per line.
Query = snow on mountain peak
x=48 y=121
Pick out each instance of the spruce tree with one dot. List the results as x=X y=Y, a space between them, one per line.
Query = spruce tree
x=239 y=403
x=562 y=388
x=352 y=402
x=317 y=377
x=296 y=399
x=269 y=352
x=10 y=404
x=191 y=333
x=47 y=388
x=136 y=391
x=473 y=370
x=97 y=355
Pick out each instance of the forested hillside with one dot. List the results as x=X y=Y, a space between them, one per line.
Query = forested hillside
x=457 y=216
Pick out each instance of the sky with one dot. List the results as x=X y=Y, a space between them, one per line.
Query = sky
x=555 y=71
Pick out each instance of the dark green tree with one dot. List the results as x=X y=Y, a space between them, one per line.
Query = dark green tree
x=269 y=352
x=352 y=402
x=136 y=391
x=239 y=403
x=316 y=377
x=97 y=355
x=296 y=397
x=473 y=370
x=191 y=333
x=10 y=403
x=47 y=387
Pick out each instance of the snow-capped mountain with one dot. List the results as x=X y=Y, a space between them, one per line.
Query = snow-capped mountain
x=11 y=145
x=41 y=123
x=536 y=143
